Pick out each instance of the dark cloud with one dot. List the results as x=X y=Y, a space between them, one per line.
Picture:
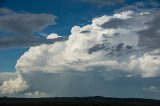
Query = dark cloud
x=96 y=48
x=150 y=37
x=90 y=83
x=14 y=41
x=25 y=22
x=119 y=49
x=104 y=2
x=18 y=29
x=114 y=23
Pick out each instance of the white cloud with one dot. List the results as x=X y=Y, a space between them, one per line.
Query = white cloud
x=124 y=15
x=148 y=65
x=53 y=36
x=13 y=86
x=112 y=50
x=7 y=76
x=73 y=54
x=36 y=94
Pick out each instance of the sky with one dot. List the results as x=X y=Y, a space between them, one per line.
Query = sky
x=55 y=48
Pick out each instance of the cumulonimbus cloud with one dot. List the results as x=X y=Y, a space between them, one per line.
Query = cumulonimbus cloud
x=96 y=45
x=104 y=50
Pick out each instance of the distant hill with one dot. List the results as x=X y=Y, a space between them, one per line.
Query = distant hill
x=78 y=101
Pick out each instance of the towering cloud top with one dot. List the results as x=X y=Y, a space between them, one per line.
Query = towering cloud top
x=112 y=42
x=123 y=45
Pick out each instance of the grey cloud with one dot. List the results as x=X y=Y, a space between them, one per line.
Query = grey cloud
x=86 y=31
x=25 y=22
x=90 y=83
x=114 y=23
x=141 y=6
x=19 y=29
x=126 y=23
x=104 y=2
x=150 y=37
x=14 y=41
x=96 y=48
x=119 y=49
x=154 y=89
x=5 y=76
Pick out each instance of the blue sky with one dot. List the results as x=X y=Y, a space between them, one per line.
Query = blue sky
x=80 y=48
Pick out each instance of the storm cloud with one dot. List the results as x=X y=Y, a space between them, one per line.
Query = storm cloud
x=150 y=37
x=18 y=29
x=103 y=58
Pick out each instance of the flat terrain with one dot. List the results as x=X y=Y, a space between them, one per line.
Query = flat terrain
x=77 y=101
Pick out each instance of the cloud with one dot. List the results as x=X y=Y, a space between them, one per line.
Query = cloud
x=53 y=36
x=16 y=41
x=36 y=94
x=152 y=89
x=89 y=83
x=139 y=6
x=104 y=2
x=150 y=37
x=148 y=64
x=13 y=86
x=27 y=23
x=18 y=28
x=5 y=76
x=93 y=60
x=110 y=48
